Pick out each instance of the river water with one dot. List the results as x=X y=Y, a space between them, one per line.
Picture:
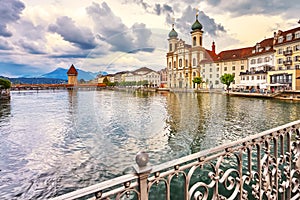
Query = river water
x=53 y=142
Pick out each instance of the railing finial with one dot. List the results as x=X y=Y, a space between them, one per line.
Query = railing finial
x=142 y=159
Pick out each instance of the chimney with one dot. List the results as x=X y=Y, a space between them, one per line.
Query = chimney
x=274 y=38
x=213 y=47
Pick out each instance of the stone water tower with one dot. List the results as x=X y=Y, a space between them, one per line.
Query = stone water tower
x=72 y=75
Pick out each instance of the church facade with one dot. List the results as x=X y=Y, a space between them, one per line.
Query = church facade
x=184 y=60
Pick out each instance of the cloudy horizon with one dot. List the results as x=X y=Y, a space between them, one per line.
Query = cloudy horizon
x=38 y=37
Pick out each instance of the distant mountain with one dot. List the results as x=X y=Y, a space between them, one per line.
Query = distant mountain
x=24 y=80
x=61 y=73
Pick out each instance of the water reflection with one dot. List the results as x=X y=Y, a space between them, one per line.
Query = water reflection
x=53 y=142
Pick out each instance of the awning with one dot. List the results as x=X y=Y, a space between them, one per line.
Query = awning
x=247 y=84
x=275 y=84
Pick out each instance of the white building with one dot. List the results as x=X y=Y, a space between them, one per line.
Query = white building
x=260 y=61
x=144 y=74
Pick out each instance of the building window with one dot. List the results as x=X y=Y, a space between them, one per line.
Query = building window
x=297 y=35
x=225 y=68
x=259 y=60
x=258 y=78
x=297 y=47
x=297 y=58
x=242 y=62
x=247 y=78
x=194 y=74
x=280 y=51
x=194 y=41
x=210 y=69
x=267 y=59
x=280 y=39
x=194 y=61
x=289 y=37
x=217 y=82
x=210 y=76
x=217 y=75
x=180 y=62
x=203 y=70
x=279 y=61
x=233 y=67
x=253 y=61
x=174 y=64
x=170 y=47
x=242 y=67
x=186 y=63
x=252 y=77
x=218 y=69
x=170 y=65
x=233 y=74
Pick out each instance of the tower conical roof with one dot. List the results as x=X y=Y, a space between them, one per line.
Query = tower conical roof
x=197 y=25
x=173 y=33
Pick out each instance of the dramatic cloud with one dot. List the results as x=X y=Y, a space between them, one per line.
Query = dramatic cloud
x=162 y=9
x=246 y=7
x=81 y=37
x=31 y=47
x=115 y=33
x=10 y=11
x=185 y=22
x=4 y=45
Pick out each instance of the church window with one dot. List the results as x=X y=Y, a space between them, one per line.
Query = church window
x=194 y=61
x=170 y=47
x=194 y=41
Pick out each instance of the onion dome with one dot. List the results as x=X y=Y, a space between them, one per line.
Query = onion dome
x=196 y=25
x=173 y=33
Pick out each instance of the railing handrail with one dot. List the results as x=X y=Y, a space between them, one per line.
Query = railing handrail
x=203 y=153
x=97 y=187
x=145 y=176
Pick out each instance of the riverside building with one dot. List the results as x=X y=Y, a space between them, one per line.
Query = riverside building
x=287 y=56
x=184 y=60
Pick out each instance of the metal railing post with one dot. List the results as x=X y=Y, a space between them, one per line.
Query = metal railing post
x=143 y=171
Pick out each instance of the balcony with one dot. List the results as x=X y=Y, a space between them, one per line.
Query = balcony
x=261 y=166
x=288 y=52
x=287 y=62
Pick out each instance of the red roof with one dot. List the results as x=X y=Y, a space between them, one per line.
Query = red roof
x=234 y=54
x=209 y=57
x=72 y=71
x=264 y=46
x=284 y=34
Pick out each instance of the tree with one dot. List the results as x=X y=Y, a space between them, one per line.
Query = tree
x=4 y=83
x=198 y=80
x=227 y=79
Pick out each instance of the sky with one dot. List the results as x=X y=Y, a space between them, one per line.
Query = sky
x=36 y=37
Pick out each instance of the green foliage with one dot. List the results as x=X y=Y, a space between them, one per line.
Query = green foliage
x=198 y=80
x=133 y=83
x=227 y=79
x=4 y=83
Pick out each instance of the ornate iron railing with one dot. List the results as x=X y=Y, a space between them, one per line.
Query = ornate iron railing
x=261 y=166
